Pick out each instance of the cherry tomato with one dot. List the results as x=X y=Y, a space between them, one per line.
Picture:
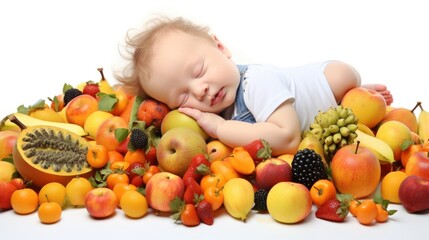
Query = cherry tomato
x=214 y=196
x=353 y=206
x=382 y=214
x=322 y=191
x=367 y=212
x=212 y=179
x=150 y=172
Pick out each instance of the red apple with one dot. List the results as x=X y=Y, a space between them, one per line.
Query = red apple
x=176 y=149
x=162 y=188
x=101 y=202
x=272 y=171
x=355 y=170
x=418 y=164
x=79 y=108
x=152 y=112
x=106 y=132
x=414 y=193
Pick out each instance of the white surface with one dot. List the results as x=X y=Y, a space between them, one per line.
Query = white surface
x=45 y=44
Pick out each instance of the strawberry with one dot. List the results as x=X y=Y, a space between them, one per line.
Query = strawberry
x=122 y=148
x=205 y=212
x=259 y=150
x=197 y=168
x=336 y=209
x=151 y=155
x=192 y=191
x=91 y=88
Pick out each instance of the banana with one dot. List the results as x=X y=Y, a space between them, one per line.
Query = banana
x=46 y=114
x=238 y=197
x=423 y=124
x=105 y=87
x=381 y=149
x=31 y=121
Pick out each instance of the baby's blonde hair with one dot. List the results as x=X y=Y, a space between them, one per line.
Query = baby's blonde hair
x=140 y=46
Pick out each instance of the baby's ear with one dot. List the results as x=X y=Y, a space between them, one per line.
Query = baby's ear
x=221 y=46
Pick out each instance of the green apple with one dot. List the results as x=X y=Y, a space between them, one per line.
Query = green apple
x=174 y=119
x=176 y=148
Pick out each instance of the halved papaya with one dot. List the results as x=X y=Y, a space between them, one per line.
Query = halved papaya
x=44 y=154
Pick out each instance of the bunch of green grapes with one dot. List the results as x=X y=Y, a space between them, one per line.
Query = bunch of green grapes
x=334 y=128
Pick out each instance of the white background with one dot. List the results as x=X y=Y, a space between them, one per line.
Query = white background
x=44 y=44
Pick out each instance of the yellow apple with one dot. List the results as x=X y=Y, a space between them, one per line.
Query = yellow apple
x=177 y=147
x=367 y=104
x=394 y=133
x=217 y=150
x=289 y=202
x=94 y=120
x=175 y=119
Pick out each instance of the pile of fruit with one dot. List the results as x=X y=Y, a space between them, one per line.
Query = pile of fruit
x=95 y=147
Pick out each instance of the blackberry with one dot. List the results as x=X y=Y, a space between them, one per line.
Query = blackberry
x=308 y=167
x=70 y=94
x=261 y=200
x=138 y=138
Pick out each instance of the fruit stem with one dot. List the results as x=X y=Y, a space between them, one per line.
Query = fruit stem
x=101 y=73
x=15 y=120
x=357 y=146
x=418 y=104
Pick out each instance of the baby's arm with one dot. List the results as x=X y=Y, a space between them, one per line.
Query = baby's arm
x=281 y=130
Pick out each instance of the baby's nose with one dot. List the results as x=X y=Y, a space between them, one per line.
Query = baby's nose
x=200 y=91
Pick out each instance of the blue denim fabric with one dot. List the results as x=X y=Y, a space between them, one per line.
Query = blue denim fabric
x=243 y=113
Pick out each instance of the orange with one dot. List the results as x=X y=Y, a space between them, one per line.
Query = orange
x=353 y=206
x=97 y=156
x=76 y=191
x=134 y=204
x=53 y=192
x=137 y=155
x=120 y=188
x=367 y=212
x=49 y=212
x=390 y=186
x=115 y=178
x=115 y=156
x=24 y=201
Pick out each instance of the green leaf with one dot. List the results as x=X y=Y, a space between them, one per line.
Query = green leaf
x=406 y=144
x=66 y=87
x=121 y=134
x=106 y=102
x=133 y=114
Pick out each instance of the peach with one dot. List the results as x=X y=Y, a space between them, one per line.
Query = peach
x=418 y=164
x=79 y=108
x=394 y=133
x=403 y=115
x=7 y=142
x=218 y=150
x=368 y=105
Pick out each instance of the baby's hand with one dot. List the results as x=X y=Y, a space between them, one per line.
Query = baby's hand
x=209 y=122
